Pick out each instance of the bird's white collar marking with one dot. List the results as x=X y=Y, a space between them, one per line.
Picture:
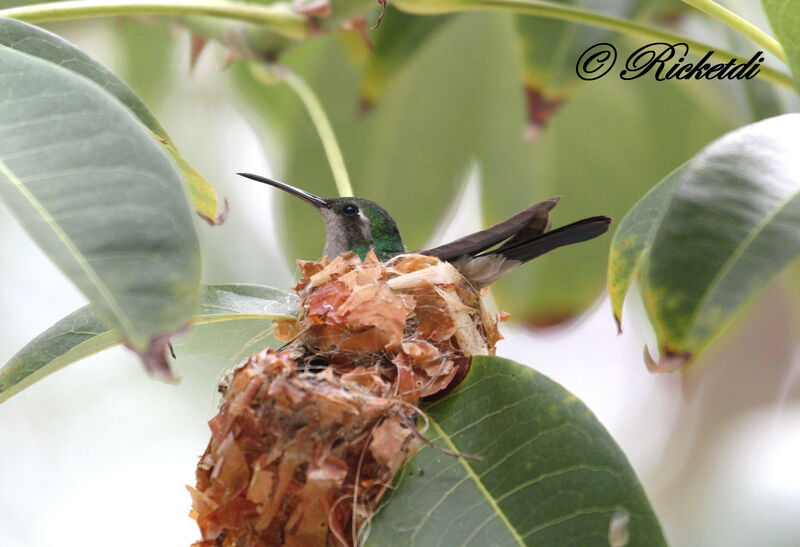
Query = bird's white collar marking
x=364 y=224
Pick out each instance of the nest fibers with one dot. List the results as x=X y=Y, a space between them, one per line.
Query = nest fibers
x=307 y=440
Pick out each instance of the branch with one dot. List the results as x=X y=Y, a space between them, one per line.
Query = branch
x=741 y=25
x=267 y=74
x=279 y=18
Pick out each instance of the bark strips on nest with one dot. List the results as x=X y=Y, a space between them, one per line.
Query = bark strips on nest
x=300 y=458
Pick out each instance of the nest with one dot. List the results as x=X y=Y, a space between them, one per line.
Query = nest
x=308 y=439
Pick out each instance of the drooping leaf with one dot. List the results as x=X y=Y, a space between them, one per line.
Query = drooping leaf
x=549 y=49
x=711 y=235
x=633 y=240
x=549 y=473
x=82 y=333
x=784 y=17
x=39 y=43
x=398 y=38
x=104 y=201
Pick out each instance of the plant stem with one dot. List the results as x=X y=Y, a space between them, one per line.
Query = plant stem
x=576 y=15
x=741 y=25
x=283 y=21
x=279 y=18
x=265 y=73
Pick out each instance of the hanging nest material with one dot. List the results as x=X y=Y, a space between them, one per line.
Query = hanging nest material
x=308 y=439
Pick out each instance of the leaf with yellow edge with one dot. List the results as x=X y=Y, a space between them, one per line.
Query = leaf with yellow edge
x=202 y=194
x=711 y=235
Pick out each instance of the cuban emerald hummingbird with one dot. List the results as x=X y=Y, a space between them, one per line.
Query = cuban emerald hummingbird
x=358 y=225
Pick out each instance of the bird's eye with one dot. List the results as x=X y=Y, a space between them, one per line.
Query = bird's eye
x=350 y=210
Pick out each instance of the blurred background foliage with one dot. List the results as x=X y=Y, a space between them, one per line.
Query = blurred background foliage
x=436 y=99
x=459 y=99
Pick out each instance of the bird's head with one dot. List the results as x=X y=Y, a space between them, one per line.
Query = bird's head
x=351 y=224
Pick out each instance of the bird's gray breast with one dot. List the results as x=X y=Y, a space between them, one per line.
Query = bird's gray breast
x=342 y=235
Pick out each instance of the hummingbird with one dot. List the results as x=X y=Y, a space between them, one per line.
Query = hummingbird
x=358 y=225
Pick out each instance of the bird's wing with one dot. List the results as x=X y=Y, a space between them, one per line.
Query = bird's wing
x=583 y=230
x=532 y=221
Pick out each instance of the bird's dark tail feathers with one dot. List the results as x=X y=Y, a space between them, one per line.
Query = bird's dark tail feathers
x=582 y=230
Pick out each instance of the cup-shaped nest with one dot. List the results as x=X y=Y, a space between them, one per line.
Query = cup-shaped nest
x=308 y=439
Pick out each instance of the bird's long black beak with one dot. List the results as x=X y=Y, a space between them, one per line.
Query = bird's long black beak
x=308 y=197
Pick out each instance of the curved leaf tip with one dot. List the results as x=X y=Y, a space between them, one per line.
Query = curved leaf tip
x=154 y=358
x=82 y=333
x=220 y=218
x=669 y=362
x=706 y=239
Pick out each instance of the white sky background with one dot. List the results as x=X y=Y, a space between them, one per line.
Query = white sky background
x=98 y=454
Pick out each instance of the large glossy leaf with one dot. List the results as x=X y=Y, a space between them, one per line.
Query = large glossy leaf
x=413 y=149
x=45 y=45
x=711 y=235
x=784 y=17
x=82 y=333
x=90 y=185
x=549 y=473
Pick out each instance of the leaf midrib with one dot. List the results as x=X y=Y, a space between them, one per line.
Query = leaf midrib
x=735 y=256
x=477 y=481
x=125 y=324
x=107 y=339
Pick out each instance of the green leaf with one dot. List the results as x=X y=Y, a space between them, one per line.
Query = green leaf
x=550 y=473
x=82 y=333
x=633 y=240
x=711 y=235
x=549 y=51
x=784 y=17
x=397 y=40
x=39 y=43
x=103 y=200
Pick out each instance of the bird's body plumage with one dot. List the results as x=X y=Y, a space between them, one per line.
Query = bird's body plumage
x=358 y=225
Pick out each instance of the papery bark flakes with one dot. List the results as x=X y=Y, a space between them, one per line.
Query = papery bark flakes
x=300 y=457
